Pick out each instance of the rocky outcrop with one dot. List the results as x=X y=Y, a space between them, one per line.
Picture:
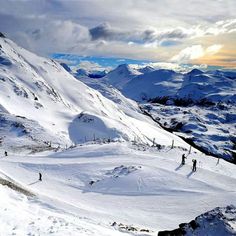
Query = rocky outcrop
x=220 y=221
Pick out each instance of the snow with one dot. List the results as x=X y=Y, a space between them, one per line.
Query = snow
x=211 y=127
x=202 y=104
x=52 y=96
x=133 y=185
x=21 y=135
x=147 y=84
x=107 y=169
x=120 y=76
x=157 y=83
x=38 y=218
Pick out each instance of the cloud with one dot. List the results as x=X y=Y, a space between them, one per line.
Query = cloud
x=175 y=66
x=195 y=52
x=106 y=32
x=189 y=53
x=103 y=31
x=47 y=37
x=91 y=66
x=144 y=29
x=213 y=49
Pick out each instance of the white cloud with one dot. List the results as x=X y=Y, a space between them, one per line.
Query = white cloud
x=195 y=52
x=90 y=66
x=189 y=53
x=54 y=36
x=213 y=49
x=184 y=68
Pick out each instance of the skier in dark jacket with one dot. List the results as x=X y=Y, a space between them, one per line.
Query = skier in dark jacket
x=183 y=159
x=194 y=165
x=40 y=176
x=5 y=153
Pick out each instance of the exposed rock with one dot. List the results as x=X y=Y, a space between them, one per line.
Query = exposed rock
x=2 y=35
x=217 y=222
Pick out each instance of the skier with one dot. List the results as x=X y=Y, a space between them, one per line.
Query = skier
x=194 y=165
x=183 y=159
x=40 y=176
x=5 y=153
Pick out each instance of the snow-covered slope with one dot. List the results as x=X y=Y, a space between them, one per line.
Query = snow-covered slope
x=128 y=106
x=156 y=83
x=42 y=90
x=19 y=134
x=86 y=189
x=214 y=86
x=21 y=215
x=116 y=188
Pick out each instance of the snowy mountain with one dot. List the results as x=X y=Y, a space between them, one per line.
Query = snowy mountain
x=40 y=89
x=156 y=83
x=210 y=128
x=202 y=110
x=121 y=75
x=212 y=86
x=146 y=83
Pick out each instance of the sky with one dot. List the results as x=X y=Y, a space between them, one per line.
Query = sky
x=162 y=32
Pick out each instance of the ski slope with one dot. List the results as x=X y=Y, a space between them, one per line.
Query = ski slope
x=131 y=184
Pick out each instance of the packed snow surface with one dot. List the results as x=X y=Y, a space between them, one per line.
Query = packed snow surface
x=95 y=185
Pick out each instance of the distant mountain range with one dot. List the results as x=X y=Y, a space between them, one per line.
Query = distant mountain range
x=198 y=105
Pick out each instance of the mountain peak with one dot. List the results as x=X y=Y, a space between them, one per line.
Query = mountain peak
x=123 y=67
x=195 y=72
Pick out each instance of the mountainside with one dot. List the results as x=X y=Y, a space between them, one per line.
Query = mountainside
x=211 y=128
x=40 y=89
x=214 y=86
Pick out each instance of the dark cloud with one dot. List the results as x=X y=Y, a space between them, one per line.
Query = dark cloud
x=103 y=31
x=106 y=32
x=174 y=34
